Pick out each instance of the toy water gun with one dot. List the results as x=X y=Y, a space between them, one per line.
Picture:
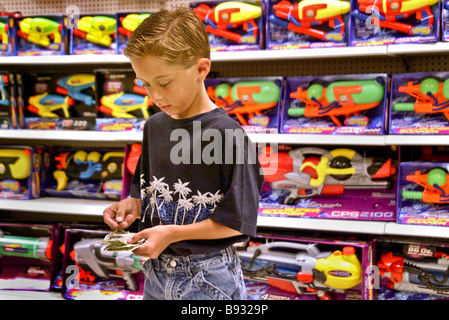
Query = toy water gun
x=310 y=171
x=431 y=94
x=73 y=86
x=93 y=261
x=435 y=183
x=386 y=13
x=45 y=104
x=307 y=14
x=92 y=166
x=224 y=17
x=97 y=29
x=339 y=98
x=302 y=268
x=246 y=97
x=15 y=163
x=404 y=274
x=4 y=101
x=120 y=105
x=4 y=33
x=25 y=247
x=130 y=23
x=41 y=31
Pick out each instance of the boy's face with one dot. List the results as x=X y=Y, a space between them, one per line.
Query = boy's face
x=174 y=89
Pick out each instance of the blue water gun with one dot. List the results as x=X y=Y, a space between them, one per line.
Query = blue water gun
x=74 y=85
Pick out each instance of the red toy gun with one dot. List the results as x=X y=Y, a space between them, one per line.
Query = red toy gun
x=416 y=276
x=432 y=96
x=231 y=15
x=246 y=97
x=385 y=13
x=340 y=98
x=306 y=14
x=310 y=171
x=435 y=184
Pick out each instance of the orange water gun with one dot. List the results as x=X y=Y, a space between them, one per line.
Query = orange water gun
x=246 y=97
x=432 y=96
x=229 y=15
x=435 y=184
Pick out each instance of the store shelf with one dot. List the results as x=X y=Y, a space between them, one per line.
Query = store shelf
x=69 y=206
x=368 y=227
x=415 y=140
x=29 y=295
x=420 y=48
x=269 y=138
x=378 y=140
x=69 y=135
x=64 y=206
x=235 y=56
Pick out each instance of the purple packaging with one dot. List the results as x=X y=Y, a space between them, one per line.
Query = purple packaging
x=329 y=183
x=322 y=105
x=296 y=257
x=253 y=102
x=418 y=104
x=307 y=24
x=445 y=20
x=422 y=193
x=403 y=22
x=29 y=256
x=232 y=25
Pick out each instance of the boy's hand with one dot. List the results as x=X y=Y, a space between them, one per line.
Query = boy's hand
x=122 y=214
x=157 y=239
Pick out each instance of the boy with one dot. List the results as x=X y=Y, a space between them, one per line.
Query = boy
x=195 y=194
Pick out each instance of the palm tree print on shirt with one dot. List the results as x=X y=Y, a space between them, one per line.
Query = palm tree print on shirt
x=159 y=201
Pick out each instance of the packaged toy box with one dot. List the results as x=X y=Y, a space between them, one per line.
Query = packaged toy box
x=20 y=170
x=412 y=269
x=94 y=34
x=54 y=100
x=123 y=103
x=8 y=102
x=253 y=102
x=88 y=173
x=423 y=193
x=232 y=25
x=445 y=20
x=309 y=268
x=329 y=182
x=307 y=24
x=39 y=35
x=338 y=104
x=29 y=259
x=97 y=273
x=383 y=22
x=6 y=48
x=419 y=103
x=127 y=22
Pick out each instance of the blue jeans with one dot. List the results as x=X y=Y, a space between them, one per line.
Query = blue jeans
x=215 y=276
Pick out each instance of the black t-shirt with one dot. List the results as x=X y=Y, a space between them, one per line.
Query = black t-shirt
x=194 y=169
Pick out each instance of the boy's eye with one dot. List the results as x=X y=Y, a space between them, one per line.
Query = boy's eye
x=164 y=84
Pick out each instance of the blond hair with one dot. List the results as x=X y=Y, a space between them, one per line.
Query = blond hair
x=177 y=36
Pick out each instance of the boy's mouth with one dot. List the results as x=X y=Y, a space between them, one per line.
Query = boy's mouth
x=164 y=108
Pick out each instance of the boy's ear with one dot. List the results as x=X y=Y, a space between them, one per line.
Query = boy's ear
x=203 y=67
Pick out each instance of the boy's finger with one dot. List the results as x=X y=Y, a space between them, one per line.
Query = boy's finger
x=108 y=215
